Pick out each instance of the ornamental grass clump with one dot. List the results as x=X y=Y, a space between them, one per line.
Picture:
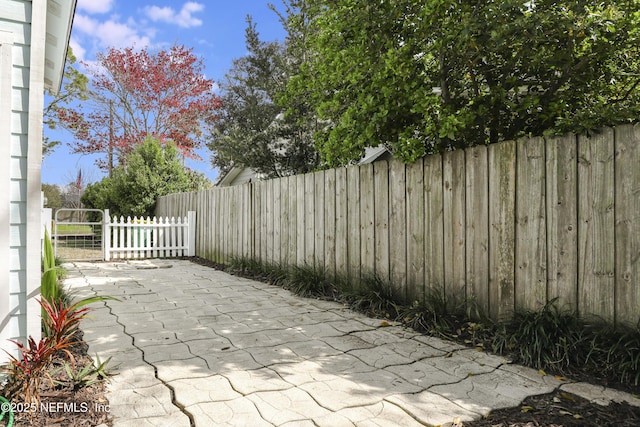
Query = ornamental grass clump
x=615 y=352
x=435 y=313
x=548 y=338
x=310 y=281
x=373 y=296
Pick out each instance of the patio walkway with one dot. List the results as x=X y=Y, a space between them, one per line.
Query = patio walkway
x=199 y=347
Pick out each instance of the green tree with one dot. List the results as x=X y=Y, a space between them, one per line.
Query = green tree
x=74 y=88
x=428 y=76
x=250 y=129
x=150 y=171
x=53 y=194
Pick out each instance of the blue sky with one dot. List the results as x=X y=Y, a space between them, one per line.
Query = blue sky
x=213 y=28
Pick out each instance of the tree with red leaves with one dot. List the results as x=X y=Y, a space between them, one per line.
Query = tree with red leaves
x=136 y=94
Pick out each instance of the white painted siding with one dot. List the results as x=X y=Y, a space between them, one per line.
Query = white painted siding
x=16 y=155
x=7 y=324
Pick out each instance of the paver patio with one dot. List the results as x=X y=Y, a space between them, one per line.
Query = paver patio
x=197 y=346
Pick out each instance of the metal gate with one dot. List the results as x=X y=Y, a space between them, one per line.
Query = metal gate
x=77 y=234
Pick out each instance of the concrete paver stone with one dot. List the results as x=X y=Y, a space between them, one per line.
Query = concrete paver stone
x=230 y=351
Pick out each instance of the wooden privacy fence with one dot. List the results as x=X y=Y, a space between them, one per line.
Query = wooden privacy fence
x=150 y=237
x=513 y=224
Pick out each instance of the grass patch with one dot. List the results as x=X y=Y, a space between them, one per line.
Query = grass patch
x=63 y=229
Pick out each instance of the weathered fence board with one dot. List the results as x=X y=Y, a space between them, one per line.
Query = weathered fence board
x=319 y=214
x=381 y=218
x=367 y=219
x=398 y=227
x=627 y=224
x=415 y=230
x=511 y=225
x=301 y=219
x=342 y=259
x=502 y=195
x=433 y=224
x=477 y=214
x=596 y=249
x=454 y=232
x=531 y=252
x=329 y=206
x=353 y=221
x=562 y=217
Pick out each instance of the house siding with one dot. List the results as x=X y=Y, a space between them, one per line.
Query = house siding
x=18 y=158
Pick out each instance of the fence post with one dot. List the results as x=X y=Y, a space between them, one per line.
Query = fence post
x=191 y=220
x=106 y=235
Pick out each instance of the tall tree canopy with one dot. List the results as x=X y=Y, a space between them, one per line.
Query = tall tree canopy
x=427 y=76
x=151 y=170
x=250 y=129
x=74 y=88
x=136 y=93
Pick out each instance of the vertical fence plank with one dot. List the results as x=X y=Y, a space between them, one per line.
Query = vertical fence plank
x=269 y=211
x=562 y=217
x=502 y=198
x=381 y=218
x=398 y=228
x=258 y=219
x=216 y=218
x=415 y=221
x=223 y=228
x=353 y=222
x=230 y=227
x=596 y=249
x=319 y=204
x=300 y=220
x=627 y=224
x=453 y=204
x=309 y=219
x=277 y=217
x=129 y=240
x=284 y=220
x=330 y=220
x=179 y=243
x=531 y=244
x=293 y=220
x=342 y=260
x=434 y=225
x=367 y=220
x=173 y=237
x=477 y=236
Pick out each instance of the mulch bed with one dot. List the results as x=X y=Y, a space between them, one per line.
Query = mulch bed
x=64 y=406
x=561 y=409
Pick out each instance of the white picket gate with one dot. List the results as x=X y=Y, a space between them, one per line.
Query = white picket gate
x=149 y=238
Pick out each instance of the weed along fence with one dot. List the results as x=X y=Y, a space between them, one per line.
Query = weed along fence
x=149 y=238
x=513 y=224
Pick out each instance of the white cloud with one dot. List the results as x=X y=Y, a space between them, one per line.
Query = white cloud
x=184 y=18
x=95 y=6
x=111 y=33
x=78 y=51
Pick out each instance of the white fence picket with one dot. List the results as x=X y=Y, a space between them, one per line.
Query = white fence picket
x=139 y=238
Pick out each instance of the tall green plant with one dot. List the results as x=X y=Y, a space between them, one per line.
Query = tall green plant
x=49 y=287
